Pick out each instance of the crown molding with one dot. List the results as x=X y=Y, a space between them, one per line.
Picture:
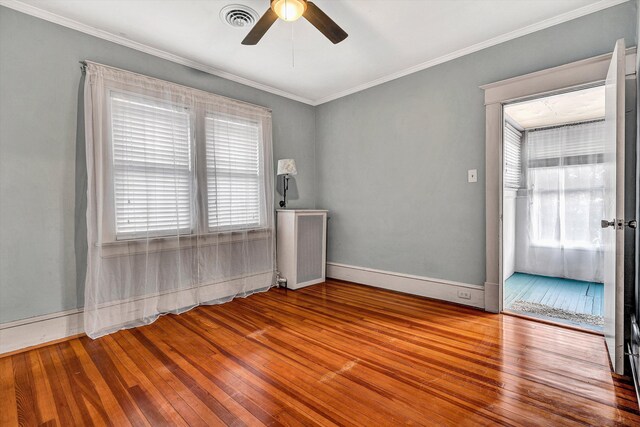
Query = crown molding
x=586 y=10
x=105 y=35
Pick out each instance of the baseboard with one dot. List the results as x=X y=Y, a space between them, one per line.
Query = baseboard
x=38 y=330
x=444 y=290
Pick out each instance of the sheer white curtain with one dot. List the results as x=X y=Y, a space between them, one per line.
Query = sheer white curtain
x=565 y=187
x=179 y=199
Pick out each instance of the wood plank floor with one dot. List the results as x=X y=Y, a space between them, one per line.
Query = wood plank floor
x=572 y=295
x=330 y=354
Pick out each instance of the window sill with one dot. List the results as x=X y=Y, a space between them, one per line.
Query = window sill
x=167 y=243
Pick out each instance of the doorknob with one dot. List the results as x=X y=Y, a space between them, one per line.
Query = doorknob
x=604 y=223
x=631 y=224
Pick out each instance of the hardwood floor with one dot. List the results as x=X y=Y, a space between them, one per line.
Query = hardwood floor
x=335 y=353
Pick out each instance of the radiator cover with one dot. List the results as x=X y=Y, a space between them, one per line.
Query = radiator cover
x=301 y=246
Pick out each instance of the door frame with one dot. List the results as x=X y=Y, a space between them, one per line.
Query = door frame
x=575 y=75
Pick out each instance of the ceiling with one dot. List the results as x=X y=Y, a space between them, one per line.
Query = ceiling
x=387 y=38
x=572 y=107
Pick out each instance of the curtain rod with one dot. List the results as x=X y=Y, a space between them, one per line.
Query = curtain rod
x=85 y=63
x=564 y=125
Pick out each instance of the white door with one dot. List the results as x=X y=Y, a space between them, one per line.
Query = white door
x=614 y=222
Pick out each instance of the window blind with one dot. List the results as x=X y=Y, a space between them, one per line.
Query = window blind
x=233 y=172
x=151 y=152
x=512 y=157
x=583 y=143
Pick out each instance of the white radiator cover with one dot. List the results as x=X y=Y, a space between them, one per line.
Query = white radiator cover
x=302 y=246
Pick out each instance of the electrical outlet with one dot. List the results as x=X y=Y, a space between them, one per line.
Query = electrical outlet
x=464 y=294
x=472 y=175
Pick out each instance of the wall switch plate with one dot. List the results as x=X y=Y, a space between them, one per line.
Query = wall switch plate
x=464 y=294
x=472 y=175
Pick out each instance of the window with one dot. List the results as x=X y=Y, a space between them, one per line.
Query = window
x=581 y=204
x=566 y=180
x=512 y=157
x=152 y=169
x=156 y=191
x=164 y=162
x=233 y=172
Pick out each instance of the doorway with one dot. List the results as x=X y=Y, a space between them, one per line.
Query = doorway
x=608 y=69
x=553 y=203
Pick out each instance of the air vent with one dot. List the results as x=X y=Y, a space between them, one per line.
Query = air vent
x=238 y=15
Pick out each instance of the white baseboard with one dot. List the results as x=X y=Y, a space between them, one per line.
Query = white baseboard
x=445 y=290
x=39 y=330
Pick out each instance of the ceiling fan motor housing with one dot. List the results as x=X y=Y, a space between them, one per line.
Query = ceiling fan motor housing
x=290 y=10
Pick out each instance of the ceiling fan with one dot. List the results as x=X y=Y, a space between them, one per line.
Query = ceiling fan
x=290 y=10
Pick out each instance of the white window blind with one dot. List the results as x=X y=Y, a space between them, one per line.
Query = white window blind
x=582 y=143
x=512 y=157
x=233 y=153
x=152 y=171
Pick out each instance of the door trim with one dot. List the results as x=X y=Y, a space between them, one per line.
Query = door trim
x=590 y=71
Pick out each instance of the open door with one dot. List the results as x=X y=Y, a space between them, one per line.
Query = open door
x=614 y=209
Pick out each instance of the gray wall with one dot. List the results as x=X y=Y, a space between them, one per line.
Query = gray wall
x=42 y=172
x=392 y=160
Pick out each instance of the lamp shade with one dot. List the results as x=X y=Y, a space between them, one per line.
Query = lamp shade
x=287 y=167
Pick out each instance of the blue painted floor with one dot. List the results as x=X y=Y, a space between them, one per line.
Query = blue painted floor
x=566 y=294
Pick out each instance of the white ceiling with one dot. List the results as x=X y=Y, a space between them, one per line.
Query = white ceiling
x=572 y=107
x=387 y=38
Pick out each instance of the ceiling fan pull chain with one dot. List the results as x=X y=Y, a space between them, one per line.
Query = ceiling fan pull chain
x=293 y=54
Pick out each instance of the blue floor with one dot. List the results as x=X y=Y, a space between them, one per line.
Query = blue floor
x=571 y=295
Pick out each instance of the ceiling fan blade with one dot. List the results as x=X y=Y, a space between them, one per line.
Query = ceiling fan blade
x=264 y=23
x=324 y=24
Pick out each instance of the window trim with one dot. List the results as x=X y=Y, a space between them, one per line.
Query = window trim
x=199 y=219
x=113 y=234
x=262 y=214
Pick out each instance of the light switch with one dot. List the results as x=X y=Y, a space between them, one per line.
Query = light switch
x=472 y=175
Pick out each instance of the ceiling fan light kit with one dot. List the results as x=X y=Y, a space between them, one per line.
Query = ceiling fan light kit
x=288 y=10
x=291 y=10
